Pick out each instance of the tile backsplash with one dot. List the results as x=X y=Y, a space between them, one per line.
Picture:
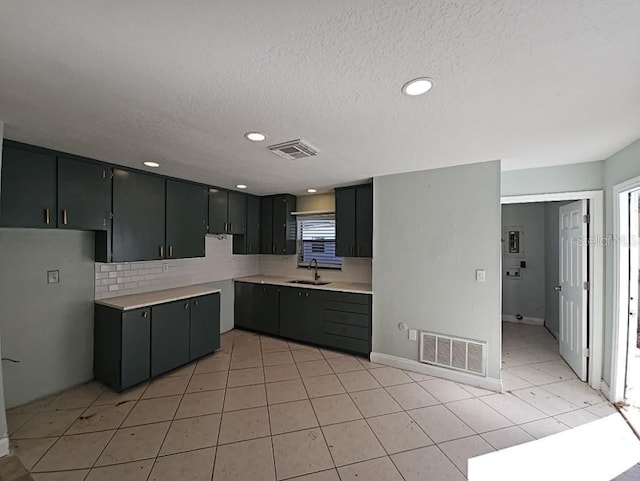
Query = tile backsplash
x=118 y=279
x=122 y=278
x=353 y=269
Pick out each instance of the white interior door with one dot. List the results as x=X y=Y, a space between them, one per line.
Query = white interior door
x=632 y=382
x=573 y=295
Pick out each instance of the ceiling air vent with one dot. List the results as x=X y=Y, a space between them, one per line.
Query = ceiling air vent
x=294 y=149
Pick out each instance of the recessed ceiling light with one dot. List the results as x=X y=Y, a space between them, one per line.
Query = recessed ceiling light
x=312 y=191
x=417 y=86
x=241 y=186
x=151 y=164
x=255 y=136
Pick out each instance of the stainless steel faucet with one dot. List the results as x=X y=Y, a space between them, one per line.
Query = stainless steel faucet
x=314 y=264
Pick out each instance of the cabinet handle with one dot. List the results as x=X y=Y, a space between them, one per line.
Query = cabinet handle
x=47 y=216
x=186 y=306
x=195 y=303
x=306 y=294
x=65 y=217
x=299 y=294
x=230 y=228
x=225 y=227
x=170 y=251
x=358 y=249
x=145 y=314
x=249 y=248
x=161 y=251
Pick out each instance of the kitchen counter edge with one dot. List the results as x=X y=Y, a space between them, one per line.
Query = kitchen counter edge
x=146 y=299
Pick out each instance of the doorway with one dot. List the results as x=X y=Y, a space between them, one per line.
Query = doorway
x=544 y=282
x=586 y=341
x=625 y=384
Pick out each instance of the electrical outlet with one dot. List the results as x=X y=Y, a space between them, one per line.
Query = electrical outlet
x=53 y=277
x=165 y=267
x=413 y=335
x=481 y=275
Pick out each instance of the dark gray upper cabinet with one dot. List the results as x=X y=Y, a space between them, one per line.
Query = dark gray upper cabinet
x=278 y=221
x=227 y=212
x=84 y=195
x=249 y=243
x=354 y=221
x=364 y=221
x=28 y=188
x=186 y=223
x=237 y=213
x=345 y=222
x=218 y=211
x=169 y=336
x=266 y=225
x=138 y=216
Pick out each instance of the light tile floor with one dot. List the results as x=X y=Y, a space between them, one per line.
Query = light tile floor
x=265 y=409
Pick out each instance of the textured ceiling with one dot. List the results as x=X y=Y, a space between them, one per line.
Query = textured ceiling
x=531 y=82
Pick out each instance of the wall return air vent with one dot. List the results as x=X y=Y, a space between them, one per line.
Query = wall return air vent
x=294 y=149
x=453 y=353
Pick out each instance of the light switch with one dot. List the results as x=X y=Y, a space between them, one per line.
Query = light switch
x=481 y=275
x=165 y=267
x=413 y=335
x=53 y=277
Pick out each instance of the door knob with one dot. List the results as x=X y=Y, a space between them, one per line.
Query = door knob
x=557 y=288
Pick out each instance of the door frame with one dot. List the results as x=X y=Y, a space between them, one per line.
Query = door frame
x=620 y=333
x=596 y=268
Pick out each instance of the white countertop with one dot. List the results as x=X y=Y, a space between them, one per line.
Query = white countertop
x=353 y=287
x=136 y=301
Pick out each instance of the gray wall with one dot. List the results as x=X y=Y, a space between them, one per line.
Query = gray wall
x=524 y=295
x=561 y=178
x=621 y=166
x=432 y=230
x=47 y=327
x=3 y=417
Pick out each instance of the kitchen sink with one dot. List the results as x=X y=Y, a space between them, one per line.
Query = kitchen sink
x=311 y=283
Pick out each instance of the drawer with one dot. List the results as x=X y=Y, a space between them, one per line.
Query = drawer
x=347 y=344
x=346 y=331
x=347 y=307
x=350 y=318
x=348 y=297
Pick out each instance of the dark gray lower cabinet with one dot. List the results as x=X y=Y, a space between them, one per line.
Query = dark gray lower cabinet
x=205 y=326
x=300 y=314
x=122 y=346
x=169 y=336
x=133 y=346
x=257 y=307
x=337 y=320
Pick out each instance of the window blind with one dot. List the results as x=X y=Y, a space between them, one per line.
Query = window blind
x=317 y=240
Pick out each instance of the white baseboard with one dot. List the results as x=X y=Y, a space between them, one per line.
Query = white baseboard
x=4 y=446
x=532 y=321
x=488 y=383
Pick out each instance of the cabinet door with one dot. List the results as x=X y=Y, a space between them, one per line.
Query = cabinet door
x=28 y=190
x=136 y=347
x=266 y=225
x=292 y=307
x=84 y=195
x=346 y=222
x=279 y=224
x=243 y=305
x=313 y=313
x=169 y=336
x=364 y=221
x=186 y=219
x=252 y=236
x=237 y=213
x=138 y=216
x=218 y=205
x=266 y=308
x=205 y=325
